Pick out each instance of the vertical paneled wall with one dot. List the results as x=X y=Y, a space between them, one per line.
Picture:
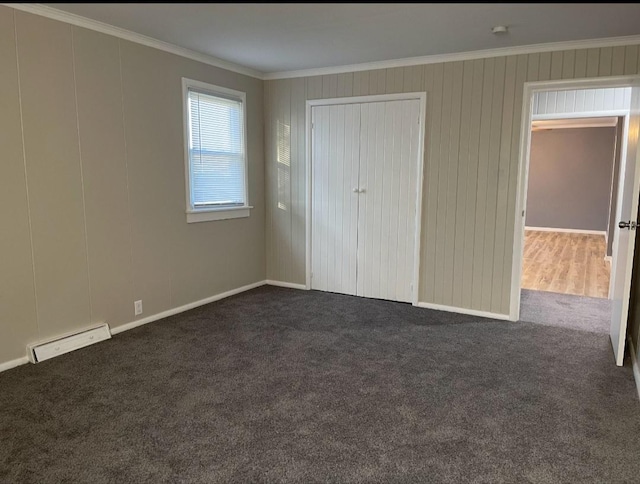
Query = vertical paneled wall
x=471 y=158
x=18 y=319
x=92 y=185
x=53 y=172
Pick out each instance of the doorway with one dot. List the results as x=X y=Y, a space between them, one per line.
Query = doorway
x=576 y=182
x=571 y=201
x=365 y=182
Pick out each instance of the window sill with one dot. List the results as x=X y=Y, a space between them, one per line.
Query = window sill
x=194 y=216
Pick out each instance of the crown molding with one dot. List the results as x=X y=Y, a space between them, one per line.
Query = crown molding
x=459 y=56
x=87 y=23
x=73 y=19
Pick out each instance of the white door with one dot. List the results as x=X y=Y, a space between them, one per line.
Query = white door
x=389 y=143
x=624 y=241
x=334 y=204
x=363 y=198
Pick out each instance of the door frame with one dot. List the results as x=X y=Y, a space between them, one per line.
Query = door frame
x=422 y=97
x=530 y=88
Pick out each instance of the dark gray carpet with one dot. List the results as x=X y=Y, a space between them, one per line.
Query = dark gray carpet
x=279 y=385
x=566 y=310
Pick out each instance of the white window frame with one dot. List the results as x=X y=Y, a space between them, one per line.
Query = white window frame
x=221 y=213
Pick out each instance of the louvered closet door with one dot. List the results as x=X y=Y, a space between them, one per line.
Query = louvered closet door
x=389 y=140
x=334 y=204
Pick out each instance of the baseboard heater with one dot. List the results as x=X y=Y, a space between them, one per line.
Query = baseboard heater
x=60 y=345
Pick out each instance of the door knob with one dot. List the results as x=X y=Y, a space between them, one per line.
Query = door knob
x=362 y=190
x=627 y=225
x=355 y=190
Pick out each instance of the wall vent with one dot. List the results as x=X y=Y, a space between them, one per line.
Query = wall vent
x=60 y=345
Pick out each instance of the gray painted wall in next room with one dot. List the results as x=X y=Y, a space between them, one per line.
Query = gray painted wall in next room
x=570 y=178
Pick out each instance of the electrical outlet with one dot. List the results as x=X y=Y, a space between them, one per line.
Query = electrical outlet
x=137 y=306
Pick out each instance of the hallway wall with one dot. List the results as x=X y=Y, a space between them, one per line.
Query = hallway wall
x=570 y=174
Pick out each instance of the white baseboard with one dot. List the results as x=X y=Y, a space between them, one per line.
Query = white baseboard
x=290 y=285
x=186 y=307
x=171 y=312
x=607 y=258
x=149 y=319
x=569 y=231
x=634 y=360
x=471 y=312
x=7 y=365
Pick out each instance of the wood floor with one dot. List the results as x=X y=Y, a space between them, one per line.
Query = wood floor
x=567 y=263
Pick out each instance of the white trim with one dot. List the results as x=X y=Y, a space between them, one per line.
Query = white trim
x=634 y=364
x=459 y=56
x=307 y=167
x=580 y=114
x=415 y=287
x=186 y=307
x=194 y=216
x=420 y=96
x=569 y=231
x=471 y=312
x=582 y=83
x=290 y=285
x=87 y=23
x=7 y=365
x=523 y=165
x=222 y=213
x=607 y=258
x=373 y=98
x=569 y=123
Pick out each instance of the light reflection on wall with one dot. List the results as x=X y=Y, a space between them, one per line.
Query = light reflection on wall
x=284 y=166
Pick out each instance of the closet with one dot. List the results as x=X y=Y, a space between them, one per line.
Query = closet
x=364 y=185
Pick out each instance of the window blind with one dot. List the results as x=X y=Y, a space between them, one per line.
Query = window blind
x=216 y=151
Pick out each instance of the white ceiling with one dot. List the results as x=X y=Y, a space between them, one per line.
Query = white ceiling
x=282 y=37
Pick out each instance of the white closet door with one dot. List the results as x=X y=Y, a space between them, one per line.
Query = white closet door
x=389 y=138
x=334 y=204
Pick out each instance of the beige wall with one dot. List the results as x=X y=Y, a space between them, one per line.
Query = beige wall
x=92 y=194
x=471 y=159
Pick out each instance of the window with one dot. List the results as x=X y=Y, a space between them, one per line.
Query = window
x=215 y=152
